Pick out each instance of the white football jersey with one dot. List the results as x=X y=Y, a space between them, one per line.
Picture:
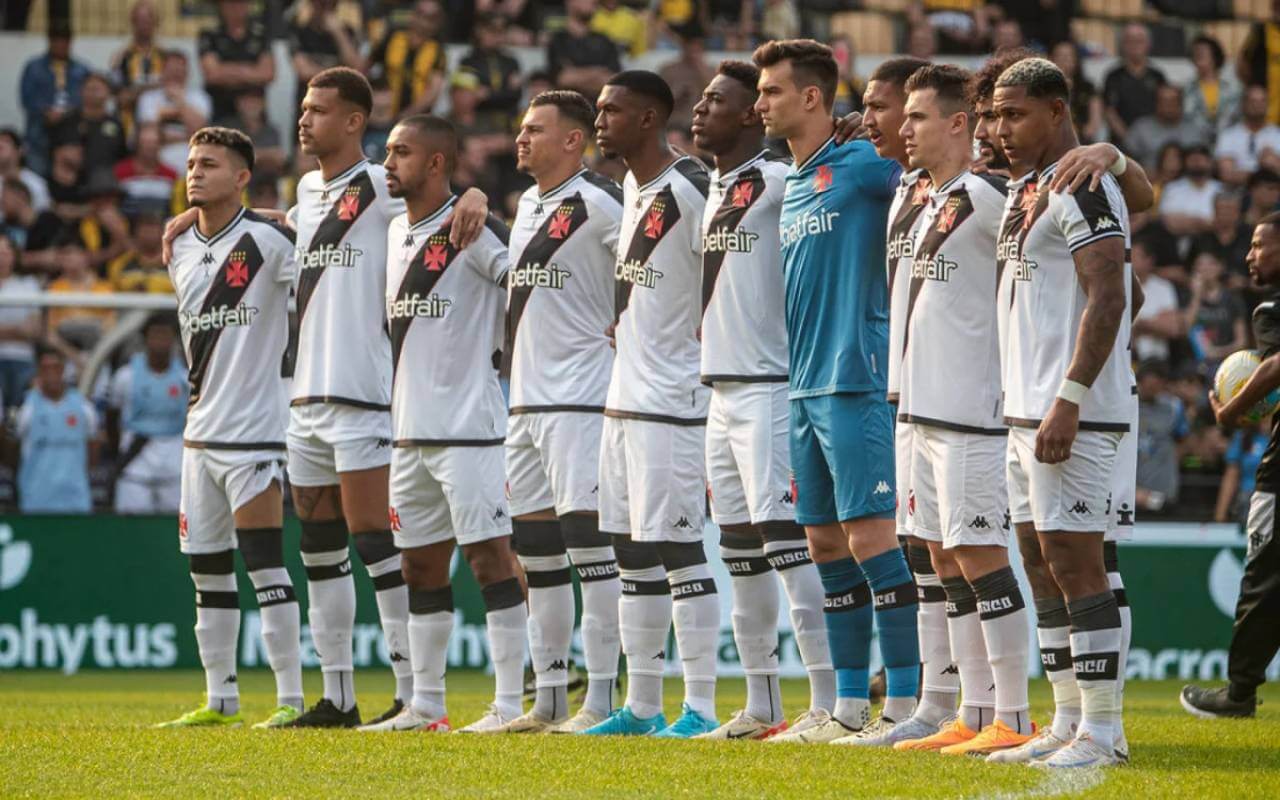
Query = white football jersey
x=659 y=298
x=744 y=325
x=564 y=244
x=951 y=347
x=233 y=309
x=445 y=310
x=909 y=202
x=1040 y=294
x=343 y=354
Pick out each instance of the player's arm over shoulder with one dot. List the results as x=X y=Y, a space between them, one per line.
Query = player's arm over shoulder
x=1089 y=215
x=491 y=251
x=277 y=242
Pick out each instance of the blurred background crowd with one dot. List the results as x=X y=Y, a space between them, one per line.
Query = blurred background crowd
x=92 y=160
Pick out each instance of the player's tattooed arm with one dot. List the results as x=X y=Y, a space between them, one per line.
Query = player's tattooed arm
x=1100 y=270
x=1090 y=162
x=468 y=218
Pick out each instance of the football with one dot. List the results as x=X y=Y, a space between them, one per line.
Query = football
x=1234 y=373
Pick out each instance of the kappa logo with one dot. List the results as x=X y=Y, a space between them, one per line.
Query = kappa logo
x=823 y=179
x=230 y=679
x=1081 y=507
x=662 y=654
x=207 y=259
x=653 y=220
x=882 y=488
x=979 y=522
x=393 y=517
x=349 y=204
x=1105 y=223
x=237 y=270
x=558 y=228
x=683 y=522
x=262 y=466
x=498 y=513
x=787 y=499
x=742 y=193
x=557 y=664
x=398 y=657
x=951 y=669
x=382 y=444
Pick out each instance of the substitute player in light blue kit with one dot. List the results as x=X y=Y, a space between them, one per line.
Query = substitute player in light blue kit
x=833 y=225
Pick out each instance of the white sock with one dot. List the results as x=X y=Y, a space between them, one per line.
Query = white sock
x=854 y=712
x=644 y=617
x=281 y=632
x=217 y=633
x=1055 y=656
x=1126 y=637
x=1095 y=654
x=941 y=685
x=695 y=610
x=755 y=628
x=332 y=613
x=550 y=630
x=506 y=623
x=392 y=597
x=601 y=590
x=790 y=559
x=430 y=626
x=1004 y=630
x=968 y=648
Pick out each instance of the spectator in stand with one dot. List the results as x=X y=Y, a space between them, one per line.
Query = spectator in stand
x=849 y=85
x=578 y=58
x=624 y=26
x=523 y=18
x=381 y=121
x=1169 y=166
x=32 y=232
x=1147 y=134
x=264 y=191
x=147 y=410
x=1162 y=424
x=234 y=57
x=50 y=89
x=180 y=110
x=730 y=23
x=1264 y=195
x=11 y=169
x=1007 y=34
x=689 y=74
x=103 y=230
x=1129 y=90
x=922 y=41
x=411 y=60
x=1254 y=65
x=251 y=117
x=1044 y=22
x=19 y=327
x=498 y=73
x=465 y=92
x=1213 y=96
x=1159 y=321
x=1251 y=143
x=319 y=39
x=779 y=20
x=92 y=124
x=1227 y=238
x=137 y=67
x=1086 y=104
x=58 y=429
x=74 y=330
x=146 y=182
x=141 y=267
x=1244 y=453
x=1216 y=320
x=1186 y=204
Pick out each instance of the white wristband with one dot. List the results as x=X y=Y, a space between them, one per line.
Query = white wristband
x=1118 y=166
x=1072 y=391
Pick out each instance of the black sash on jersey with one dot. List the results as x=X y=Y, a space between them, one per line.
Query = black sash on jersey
x=746 y=190
x=562 y=223
x=425 y=268
x=658 y=220
x=232 y=280
x=1017 y=224
x=353 y=202
x=957 y=208
x=910 y=209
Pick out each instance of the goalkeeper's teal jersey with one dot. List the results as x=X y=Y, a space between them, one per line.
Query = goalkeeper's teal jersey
x=833 y=225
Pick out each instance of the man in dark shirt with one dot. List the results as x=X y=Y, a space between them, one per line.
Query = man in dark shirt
x=32 y=232
x=411 y=60
x=1129 y=91
x=1255 y=636
x=1227 y=238
x=318 y=39
x=579 y=58
x=234 y=57
x=497 y=72
x=92 y=125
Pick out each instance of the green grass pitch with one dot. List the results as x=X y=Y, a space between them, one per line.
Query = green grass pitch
x=88 y=735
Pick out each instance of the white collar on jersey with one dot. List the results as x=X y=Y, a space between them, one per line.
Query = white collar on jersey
x=945 y=189
x=679 y=157
x=1033 y=175
x=829 y=143
x=208 y=241
x=433 y=216
x=733 y=173
x=910 y=176
x=548 y=193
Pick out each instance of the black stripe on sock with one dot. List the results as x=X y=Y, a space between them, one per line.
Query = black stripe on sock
x=387 y=580
x=545 y=579
x=855 y=597
x=1096 y=666
x=786 y=559
x=431 y=601
x=597 y=571
x=503 y=594
x=1122 y=599
x=697 y=587
x=901 y=596
x=930 y=594
x=645 y=587
x=275 y=595
x=206 y=599
x=328 y=572
x=1055 y=659
x=743 y=567
x=322 y=537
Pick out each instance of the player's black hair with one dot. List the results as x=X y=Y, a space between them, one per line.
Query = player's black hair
x=742 y=72
x=236 y=141
x=1040 y=77
x=571 y=105
x=897 y=70
x=982 y=86
x=1271 y=220
x=948 y=81
x=351 y=85
x=441 y=133
x=43 y=349
x=812 y=64
x=160 y=319
x=648 y=85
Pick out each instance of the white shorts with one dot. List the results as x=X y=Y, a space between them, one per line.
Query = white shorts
x=327 y=438
x=214 y=484
x=902 y=452
x=957 y=487
x=553 y=461
x=444 y=493
x=1070 y=496
x=1124 y=487
x=653 y=482
x=749 y=454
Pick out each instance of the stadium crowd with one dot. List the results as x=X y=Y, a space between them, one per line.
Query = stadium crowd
x=89 y=179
